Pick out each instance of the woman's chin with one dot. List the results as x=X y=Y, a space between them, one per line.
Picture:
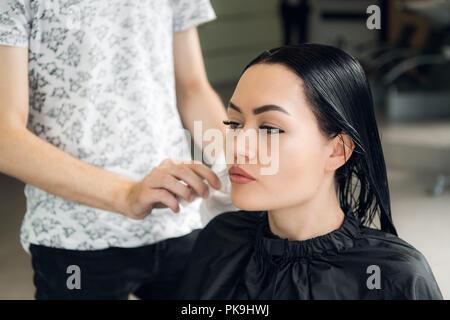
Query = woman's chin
x=245 y=202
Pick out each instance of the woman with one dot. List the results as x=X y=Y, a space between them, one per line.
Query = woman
x=303 y=232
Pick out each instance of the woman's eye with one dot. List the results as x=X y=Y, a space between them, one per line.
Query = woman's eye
x=271 y=130
x=231 y=124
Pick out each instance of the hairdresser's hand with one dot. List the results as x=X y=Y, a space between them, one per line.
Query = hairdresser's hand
x=160 y=188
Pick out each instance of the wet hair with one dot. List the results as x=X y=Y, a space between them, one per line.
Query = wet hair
x=340 y=98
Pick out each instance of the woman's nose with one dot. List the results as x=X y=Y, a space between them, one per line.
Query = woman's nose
x=246 y=146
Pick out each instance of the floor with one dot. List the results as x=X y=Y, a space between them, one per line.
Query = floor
x=421 y=219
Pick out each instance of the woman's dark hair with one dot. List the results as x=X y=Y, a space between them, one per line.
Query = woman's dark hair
x=340 y=97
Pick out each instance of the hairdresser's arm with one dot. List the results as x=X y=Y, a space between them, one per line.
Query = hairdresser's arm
x=196 y=99
x=32 y=160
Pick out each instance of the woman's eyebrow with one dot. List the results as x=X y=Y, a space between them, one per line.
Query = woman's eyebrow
x=261 y=109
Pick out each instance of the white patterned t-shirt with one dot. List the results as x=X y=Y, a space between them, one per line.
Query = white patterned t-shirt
x=102 y=88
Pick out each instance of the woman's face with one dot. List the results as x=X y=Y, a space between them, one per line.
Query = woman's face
x=304 y=154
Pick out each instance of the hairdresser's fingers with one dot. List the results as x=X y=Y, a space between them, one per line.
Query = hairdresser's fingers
x=191 y=172
x=162 y=197
x=157 y=178
x=185 y=173
x=140 y=200
x=206 y=173
x=173 y=185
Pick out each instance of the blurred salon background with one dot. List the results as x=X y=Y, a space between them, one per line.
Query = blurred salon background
x=408 y=63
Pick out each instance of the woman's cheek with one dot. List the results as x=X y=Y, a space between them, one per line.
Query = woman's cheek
x=298 y=170
x=293 y=171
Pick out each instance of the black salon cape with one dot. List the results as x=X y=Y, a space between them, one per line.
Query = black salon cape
x=236 y=256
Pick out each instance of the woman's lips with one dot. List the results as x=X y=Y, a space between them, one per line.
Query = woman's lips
x=238 y=175
x=235 y=178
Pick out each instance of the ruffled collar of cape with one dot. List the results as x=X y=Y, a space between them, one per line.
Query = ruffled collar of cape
x=271 y=245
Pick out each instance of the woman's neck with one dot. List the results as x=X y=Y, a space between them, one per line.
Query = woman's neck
x=307 y=220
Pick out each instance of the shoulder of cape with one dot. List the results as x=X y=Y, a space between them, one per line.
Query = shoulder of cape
x=232 y=226
x=396 y=253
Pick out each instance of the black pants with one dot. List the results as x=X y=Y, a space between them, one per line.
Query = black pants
x=149 y=272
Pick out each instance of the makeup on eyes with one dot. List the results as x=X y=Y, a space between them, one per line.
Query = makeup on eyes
x=270 y=129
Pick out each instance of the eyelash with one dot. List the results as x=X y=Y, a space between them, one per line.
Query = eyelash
x=233 y=124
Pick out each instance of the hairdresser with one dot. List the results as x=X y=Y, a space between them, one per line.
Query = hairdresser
x=93 y=98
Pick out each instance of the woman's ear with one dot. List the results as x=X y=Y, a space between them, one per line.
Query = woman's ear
x=342 y=148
